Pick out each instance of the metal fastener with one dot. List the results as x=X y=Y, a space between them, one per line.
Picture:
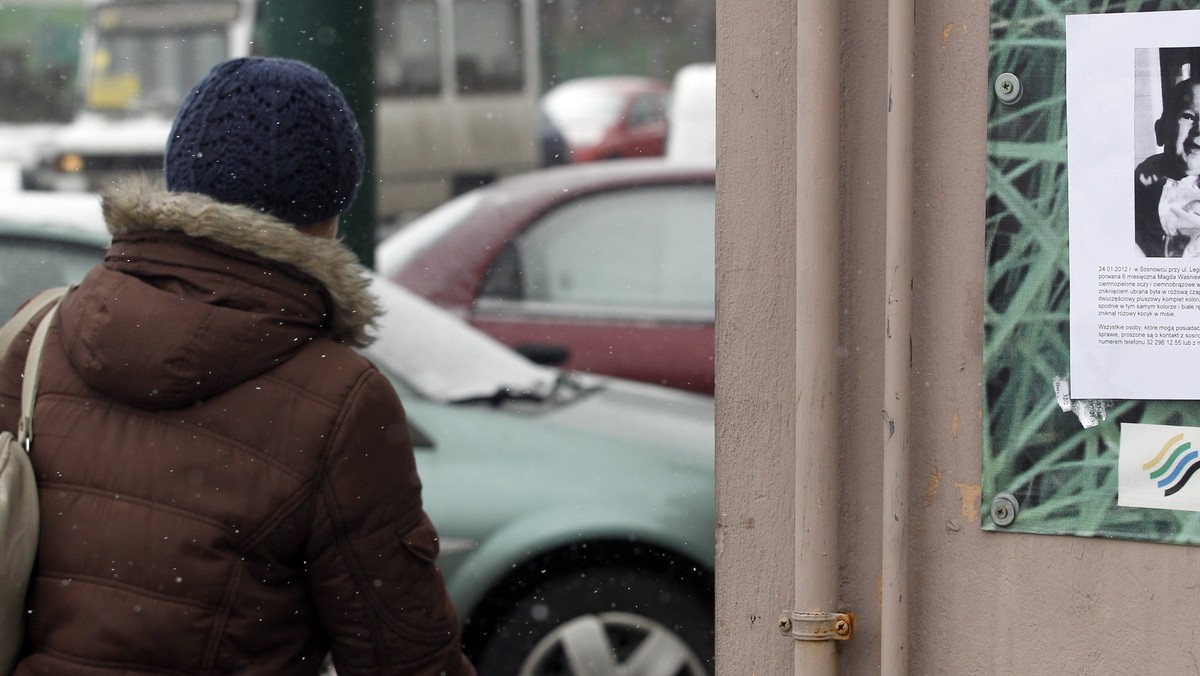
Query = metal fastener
x=817 y=626
x=785 y=624
x=1008 y=88
x=1004 y=509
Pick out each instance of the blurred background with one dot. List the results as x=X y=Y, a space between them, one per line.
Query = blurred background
x=452 y=96
x=539 y=201
x=458 y=88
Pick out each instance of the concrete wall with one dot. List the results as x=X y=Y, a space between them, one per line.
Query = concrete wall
x=756 y=215
x=979 y=602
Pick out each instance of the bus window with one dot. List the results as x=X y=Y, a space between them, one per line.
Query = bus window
x=145 y=59
x=491 y=51
x=406 y=61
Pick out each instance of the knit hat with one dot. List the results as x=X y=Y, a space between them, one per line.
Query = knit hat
x=268 y=133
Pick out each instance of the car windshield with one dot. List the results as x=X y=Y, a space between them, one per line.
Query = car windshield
x=444 y=359
x=571 y=107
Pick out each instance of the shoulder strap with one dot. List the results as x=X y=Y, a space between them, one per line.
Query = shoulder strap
x=33 y=366
x=9 y=331
x=33 y=360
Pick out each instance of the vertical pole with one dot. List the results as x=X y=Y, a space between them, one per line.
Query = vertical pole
x=818 y=219
x=897 y=339
x=337 y=38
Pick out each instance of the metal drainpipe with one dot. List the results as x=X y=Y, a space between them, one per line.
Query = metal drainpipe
x=818 y=219
x=897 y=341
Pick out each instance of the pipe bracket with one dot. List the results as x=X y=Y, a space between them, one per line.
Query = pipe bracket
x=817 y=626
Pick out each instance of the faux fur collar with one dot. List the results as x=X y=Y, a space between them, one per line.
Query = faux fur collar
x=137 y=206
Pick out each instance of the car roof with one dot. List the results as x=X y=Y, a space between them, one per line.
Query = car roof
x=623 y=83
x=597 y=176
x=548 y=188
x=73 y=216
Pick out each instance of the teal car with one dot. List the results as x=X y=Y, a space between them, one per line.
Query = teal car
x=575 y=511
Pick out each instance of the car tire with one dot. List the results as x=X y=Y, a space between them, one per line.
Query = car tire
x=596 y=620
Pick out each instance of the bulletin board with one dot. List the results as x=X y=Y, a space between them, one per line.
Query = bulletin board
x=1092 y=281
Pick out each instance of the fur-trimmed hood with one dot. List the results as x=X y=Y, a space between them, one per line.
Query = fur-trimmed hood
x=137 y=206
x=196 y=297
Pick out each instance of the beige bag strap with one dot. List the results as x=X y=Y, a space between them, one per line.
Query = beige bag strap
x=33 y=366
x=33 y=360
x=8 y=332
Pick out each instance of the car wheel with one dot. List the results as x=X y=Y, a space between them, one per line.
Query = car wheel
x=603 y=621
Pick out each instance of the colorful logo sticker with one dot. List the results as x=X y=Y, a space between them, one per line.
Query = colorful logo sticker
x=1157 y=466
x=1173 y=473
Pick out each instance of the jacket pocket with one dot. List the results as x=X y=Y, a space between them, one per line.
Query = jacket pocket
x=422 y=541
x=407 y=586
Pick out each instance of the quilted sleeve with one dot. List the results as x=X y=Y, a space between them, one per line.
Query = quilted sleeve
x=372 y=553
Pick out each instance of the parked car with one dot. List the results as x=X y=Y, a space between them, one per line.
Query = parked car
x=46 y=241
x=605 y=267
x=19 y=144
x=607 y=117
x=575 y=512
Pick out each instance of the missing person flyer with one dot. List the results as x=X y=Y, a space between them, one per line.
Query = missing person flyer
x=1133 y=174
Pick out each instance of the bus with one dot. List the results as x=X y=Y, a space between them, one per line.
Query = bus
x=39 y=52
x=457 y=88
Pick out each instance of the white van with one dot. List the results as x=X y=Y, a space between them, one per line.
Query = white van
x=692 y=116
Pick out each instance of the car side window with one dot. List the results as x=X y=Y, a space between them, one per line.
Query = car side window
x=643 y=248
x=503 y=280
x=647 y=109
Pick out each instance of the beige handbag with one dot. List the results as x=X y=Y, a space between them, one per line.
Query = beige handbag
x=18 y=487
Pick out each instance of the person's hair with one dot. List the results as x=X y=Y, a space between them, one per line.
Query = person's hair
x=1175 y=99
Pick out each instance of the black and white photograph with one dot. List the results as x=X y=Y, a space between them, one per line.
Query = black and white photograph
x=1133 y=106
x=1167 y=144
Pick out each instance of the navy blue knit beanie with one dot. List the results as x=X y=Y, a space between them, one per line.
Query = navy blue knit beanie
x=268 y=133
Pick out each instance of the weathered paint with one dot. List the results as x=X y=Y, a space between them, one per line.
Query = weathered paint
x=970 y=495
x=935 y=480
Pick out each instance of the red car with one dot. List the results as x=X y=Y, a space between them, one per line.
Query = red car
x=608 y=117
x=605 y=267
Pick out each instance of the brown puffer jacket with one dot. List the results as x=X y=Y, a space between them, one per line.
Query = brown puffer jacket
x=226 y=487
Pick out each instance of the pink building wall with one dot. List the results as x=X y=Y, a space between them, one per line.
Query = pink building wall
x=978 y=602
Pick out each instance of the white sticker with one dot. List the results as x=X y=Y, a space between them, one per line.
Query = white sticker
x=1062 y=393
x=1157 y=467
